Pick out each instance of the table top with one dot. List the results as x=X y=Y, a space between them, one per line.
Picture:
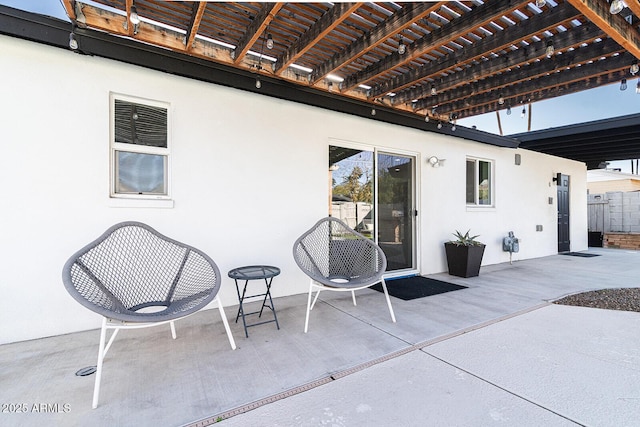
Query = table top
x=252 y=272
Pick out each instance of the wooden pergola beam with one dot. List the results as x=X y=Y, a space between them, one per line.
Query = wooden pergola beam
x=327 y=23
x=500 y=84
x=197 y=12
x=593 y=75
x=391 y=26
x=473 y=20
x=257 y=27
x=615 y=26
x=535 y=26
x=69 y=8
x=517 y=66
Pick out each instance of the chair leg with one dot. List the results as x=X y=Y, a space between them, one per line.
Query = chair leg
x=226 y=325
x=386 y=295
x=309 y=307
x=313 y=304
x=101 y=352
x=353 y=296
x=173 y=330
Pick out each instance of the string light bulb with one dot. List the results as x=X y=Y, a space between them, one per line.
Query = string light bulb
x=638 y=87
x=134 y=17
x=616 y=7
x=402 y=48
x=623 y=84
x=550 y=49
x=434 y=90
x=73 y=42
x=439 y=125
x=258 y=84
x=508 y=110
x=540 y=3
x=634 y=67
x=524 y=112
x=269 y=41
x=501 y=99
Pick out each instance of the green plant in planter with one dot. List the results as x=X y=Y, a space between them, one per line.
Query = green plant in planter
x=464 y=255
x=465 y=239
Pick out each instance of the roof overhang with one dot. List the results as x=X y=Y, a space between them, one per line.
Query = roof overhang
x=593 y=143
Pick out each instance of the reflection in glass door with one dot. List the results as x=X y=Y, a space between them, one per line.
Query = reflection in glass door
x=384 y=213
x=351 y=175
x=395 y=210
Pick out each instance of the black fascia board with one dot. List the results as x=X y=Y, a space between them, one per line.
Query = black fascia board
x=55 y=32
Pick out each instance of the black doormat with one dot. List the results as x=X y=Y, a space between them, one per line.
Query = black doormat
x=580 y=254
x=409 y=288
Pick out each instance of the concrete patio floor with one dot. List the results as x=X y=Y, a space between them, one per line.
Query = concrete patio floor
x=495 y=353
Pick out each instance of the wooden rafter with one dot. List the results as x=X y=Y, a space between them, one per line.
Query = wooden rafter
x=501 y=41
x=257 y=27
x=388 y=28
x=329 y=21
x=69 y=7
x=519 y=65
x=614 y=25
x=130 y=27
x=476 y=18
x=493 y=86
x=197 y=12
x=529 y=91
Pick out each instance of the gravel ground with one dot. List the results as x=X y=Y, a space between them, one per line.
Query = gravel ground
x=626 y=299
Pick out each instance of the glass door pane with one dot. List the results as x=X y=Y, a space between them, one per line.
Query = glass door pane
x=351 y=177
x=396 y=211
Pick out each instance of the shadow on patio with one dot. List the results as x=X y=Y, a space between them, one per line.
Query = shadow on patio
x=150 y=379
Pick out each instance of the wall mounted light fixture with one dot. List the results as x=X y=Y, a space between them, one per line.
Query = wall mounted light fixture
x=435 y=162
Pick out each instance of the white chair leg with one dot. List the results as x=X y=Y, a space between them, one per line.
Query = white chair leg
x=313 y=304
x=353 y=296
x=306 y=320
x=173 y=330
x=386 y=295
x=101 y=352
x=226 y=325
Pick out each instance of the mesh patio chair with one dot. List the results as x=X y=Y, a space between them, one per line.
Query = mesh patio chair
x=337 y=258
x=135 y=277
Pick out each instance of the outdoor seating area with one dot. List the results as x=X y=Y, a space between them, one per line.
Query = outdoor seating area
x=155 y=380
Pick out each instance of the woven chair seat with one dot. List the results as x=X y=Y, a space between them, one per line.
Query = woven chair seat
x=132 y=267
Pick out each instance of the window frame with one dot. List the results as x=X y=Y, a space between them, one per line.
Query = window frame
x=476 y=185
x=115 y=147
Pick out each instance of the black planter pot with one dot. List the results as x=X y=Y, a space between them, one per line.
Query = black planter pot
x=464 y=261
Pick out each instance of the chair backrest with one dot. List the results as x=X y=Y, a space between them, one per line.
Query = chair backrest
x=132 y=266
x=335 y=255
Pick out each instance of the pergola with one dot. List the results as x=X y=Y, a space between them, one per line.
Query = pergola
x=416 y=64
x=445 y=60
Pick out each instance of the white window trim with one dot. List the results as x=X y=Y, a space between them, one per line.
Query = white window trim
x=476 y=205
x=137 y=200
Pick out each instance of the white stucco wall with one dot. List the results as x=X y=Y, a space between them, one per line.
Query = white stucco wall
x=249 y=175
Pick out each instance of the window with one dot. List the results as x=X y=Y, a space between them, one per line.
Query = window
x=139 y=148
x=479 y=182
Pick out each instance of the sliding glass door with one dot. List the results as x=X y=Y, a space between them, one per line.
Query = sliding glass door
x=374 y=193
x=396 y=210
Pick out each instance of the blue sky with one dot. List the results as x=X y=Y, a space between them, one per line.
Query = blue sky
x=595 y=104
